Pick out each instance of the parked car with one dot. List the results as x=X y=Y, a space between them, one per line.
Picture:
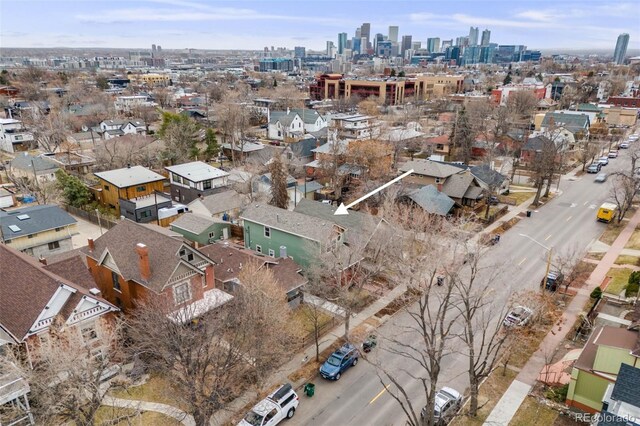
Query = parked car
x=603 y=160
x=339 y=361
x=602 y=177
x=613 y=154
x=280 y=404
x=518 y=316
x=448 y=402
x=554 y=279
x=634 y=137
x=493 y=200
x=594 y=168
x=624 y=145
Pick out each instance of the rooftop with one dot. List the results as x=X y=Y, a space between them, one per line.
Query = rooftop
x=31 y=220
x=197 y=171
x=129 y=176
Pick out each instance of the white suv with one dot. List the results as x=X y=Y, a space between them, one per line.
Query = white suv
x=279 y=405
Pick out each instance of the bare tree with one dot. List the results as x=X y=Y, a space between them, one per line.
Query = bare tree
x=522 y=103
x=49 y=129
x=118 y=152
x=279 y=174
x=431 y=318
x=482 y=331
x=623 y=189
x=462 y=136
x=587 y=151
x=67 y=380
x=233 y=120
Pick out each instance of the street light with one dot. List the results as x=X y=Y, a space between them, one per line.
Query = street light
x=550 y=250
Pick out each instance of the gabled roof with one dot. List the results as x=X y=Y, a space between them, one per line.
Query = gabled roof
x=537 y=143
x=31 y=220
x=120 y=243
x=27 y=287
x=130 y=176
x=571 y=122
x=24 y=161
x=194 y=223
x=431 y=168
x=338 y=147
x=626 y=387
x=197 y=171
x=304 y=147
x=487 y=175
x=354 y=223
x=266 y=178
x=431 y=200
x=223 y=201
x=291 y=222
x=456 y=186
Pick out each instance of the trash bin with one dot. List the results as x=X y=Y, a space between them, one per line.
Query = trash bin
x=309 y=389
x=528 y=213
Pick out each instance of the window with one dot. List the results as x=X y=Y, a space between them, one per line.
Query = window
x=58 y=229
x=7 y=241
x=89 y=333
x=258 y=248
x=141 y=188
x=145 y=213
x=190 y=257
x=176 y=178
x=267 y=232
x=182 y=293
x=30 y=236
x=115 y=281
x=97 y=354
x=439 y=180
x=272 y=253
x=206 y=184
x=54 y=245
x=212 y=234
x=106 y=187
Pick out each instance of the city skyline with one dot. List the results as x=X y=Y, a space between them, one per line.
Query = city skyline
x=178 y=24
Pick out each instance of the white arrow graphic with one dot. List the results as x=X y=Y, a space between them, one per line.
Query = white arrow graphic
x=344 y=209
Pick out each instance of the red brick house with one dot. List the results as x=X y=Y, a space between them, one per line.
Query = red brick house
x=132 y=262
x=34 y=298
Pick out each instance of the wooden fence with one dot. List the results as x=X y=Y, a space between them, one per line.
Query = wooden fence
x=90 y=216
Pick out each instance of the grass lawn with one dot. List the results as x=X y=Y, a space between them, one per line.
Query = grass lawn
x=302 y=317
x=533 y=413
x=619 y=279
x=626 y=260
x=612 y=231
x=106 y=413
x=156 y=389
x=520 y=197
x=595 y=255
x=634 y=241
x=490 y=393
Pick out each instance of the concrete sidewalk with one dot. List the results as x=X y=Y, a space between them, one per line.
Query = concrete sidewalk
x=167 y=410
x=506 y=408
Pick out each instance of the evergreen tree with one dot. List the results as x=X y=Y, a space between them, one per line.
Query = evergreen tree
x=279 y=194
x=75 y=192
x=212 y=148
x=392 y=73
x=507 y=79
x=180 y=136
x=401 y=74
x=462 y=136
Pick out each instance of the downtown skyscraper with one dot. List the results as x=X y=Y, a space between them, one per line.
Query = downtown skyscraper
x=393 y=33
x=621 y=48
x=473 y=36
x=486 y=38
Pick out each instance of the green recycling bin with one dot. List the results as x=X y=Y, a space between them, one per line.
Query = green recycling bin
x=309 y=389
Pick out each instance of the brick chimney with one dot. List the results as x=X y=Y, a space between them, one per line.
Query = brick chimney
x=92 y=246
x=42 y=260
x=143 y=261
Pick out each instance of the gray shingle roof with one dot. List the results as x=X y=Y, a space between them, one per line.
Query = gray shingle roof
x=288 y=221
x=129 y=176
x=430 y=168
x=536 y=143
x=431 y=200
x=221 y=202
x=457 y=185
x=40 y=218
x=193 y=223
x=626 y=387
x=24 y=161
x=571 y=122
x=487 y=175
x=308 y=116
x=354 y=222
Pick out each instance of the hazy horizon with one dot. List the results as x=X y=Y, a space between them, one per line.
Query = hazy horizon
x=252 y=25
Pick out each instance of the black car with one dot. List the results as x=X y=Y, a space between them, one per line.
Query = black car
x=554 y=280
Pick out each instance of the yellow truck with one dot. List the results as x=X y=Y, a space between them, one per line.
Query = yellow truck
x=606 y=212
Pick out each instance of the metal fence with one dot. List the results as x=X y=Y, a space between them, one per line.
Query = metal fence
x=309 y=338
x=90 y=216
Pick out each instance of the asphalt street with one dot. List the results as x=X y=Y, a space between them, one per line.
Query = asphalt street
x=568 y=222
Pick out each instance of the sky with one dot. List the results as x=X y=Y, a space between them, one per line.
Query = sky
x=254 y=24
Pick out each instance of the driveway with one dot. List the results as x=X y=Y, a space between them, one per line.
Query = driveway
x=85 y=230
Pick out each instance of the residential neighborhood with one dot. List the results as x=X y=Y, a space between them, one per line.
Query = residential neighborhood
x=341 y=228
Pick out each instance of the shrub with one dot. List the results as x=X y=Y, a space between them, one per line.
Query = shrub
x=634 y=278
x=558 y=394
x=631 y=289
x=596 y=293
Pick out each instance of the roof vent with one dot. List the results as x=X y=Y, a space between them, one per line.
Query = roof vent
x=94 y=291
x=23 y=217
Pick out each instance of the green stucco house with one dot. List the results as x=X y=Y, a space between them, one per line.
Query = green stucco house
x=599 y=363
x=201 y=229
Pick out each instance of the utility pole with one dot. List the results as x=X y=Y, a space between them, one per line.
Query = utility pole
x=550 y=252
